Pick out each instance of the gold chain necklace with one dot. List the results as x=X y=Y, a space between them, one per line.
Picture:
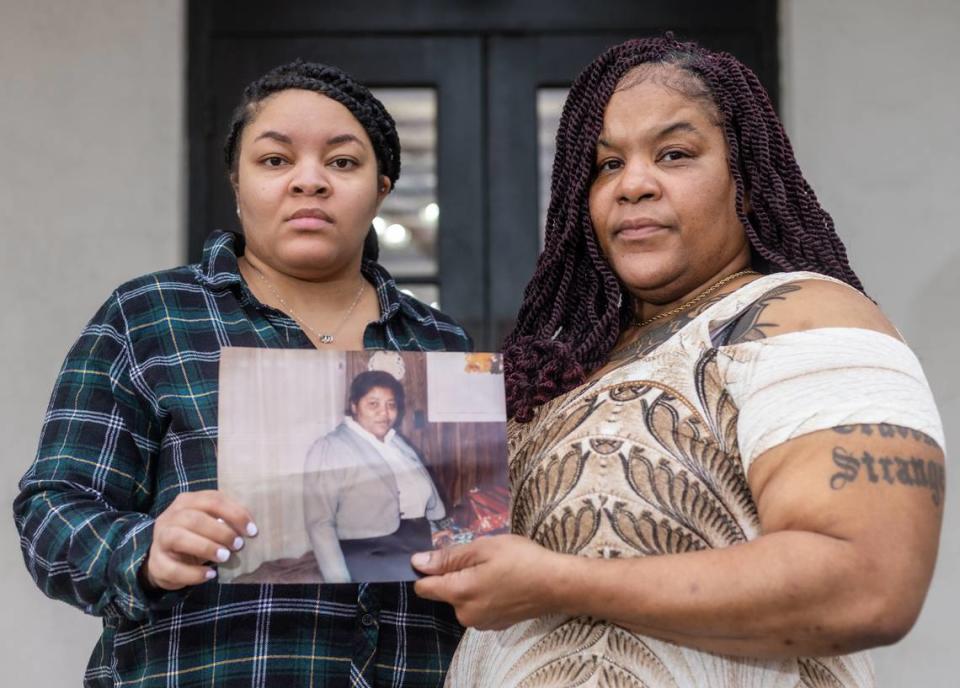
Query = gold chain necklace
x=324 y=337
x=696 y=299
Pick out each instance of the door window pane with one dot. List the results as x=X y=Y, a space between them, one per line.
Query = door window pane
x=549 y=106
x=408 y=220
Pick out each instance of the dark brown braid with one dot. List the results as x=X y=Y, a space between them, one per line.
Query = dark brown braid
x=574 y=308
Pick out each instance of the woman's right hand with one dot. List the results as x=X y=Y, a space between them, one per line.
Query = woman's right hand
x=196 y=529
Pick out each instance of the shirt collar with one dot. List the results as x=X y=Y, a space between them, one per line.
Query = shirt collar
x=218 y=268
x=369 y=436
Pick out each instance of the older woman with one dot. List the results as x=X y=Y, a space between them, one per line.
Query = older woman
x=119 y=514
x=368 y=499
x=696 y=374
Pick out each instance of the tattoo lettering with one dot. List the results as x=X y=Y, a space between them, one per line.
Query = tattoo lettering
x=912 y=472
x=886 y=430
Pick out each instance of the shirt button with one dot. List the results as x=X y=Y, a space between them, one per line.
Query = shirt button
x=368 y=620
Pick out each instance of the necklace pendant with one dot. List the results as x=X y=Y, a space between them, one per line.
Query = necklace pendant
x=326 y=339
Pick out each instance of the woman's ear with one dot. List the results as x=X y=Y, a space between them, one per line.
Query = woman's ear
x=384 y=187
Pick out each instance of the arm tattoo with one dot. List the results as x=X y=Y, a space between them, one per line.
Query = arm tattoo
x=885 y=430
x=746 y=326
x=909 y=471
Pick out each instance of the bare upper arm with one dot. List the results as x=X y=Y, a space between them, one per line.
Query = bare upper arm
x=805 y=305
x=879 y=487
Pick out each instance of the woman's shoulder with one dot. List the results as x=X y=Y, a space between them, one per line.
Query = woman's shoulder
x=176 y=278
x=799 y=301
x=429 y=326
x=138 y=297
x=431 y=316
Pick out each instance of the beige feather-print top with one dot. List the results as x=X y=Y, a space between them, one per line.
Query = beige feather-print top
x=644 y=460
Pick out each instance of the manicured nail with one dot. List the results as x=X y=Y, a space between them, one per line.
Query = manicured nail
x=223 y=554
x=421 y=558
x=210 y=574
x=252 y=529
x=237 y=543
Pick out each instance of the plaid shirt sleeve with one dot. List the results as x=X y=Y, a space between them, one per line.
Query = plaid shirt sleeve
x=81 y=511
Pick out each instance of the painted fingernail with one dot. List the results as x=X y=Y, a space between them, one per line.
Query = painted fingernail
x=237 y=543
x=421 y=558
x=223 y=554
x=252 y=529
x=210 y=574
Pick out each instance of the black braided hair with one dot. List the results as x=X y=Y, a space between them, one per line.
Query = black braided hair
x=336 y=85
x=574 y=308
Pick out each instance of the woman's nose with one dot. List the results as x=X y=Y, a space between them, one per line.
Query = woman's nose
x=638 y=182
x=310 y=179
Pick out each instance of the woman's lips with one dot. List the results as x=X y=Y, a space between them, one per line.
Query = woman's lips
x=308 y=223
x=310 y=218
x=634 y=231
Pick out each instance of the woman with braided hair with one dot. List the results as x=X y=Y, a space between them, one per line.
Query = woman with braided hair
x=696 y=374
x=120 y=514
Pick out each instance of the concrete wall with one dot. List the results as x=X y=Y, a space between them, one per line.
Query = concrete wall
x=92 y=193
x=91 y=129
x=871 y=103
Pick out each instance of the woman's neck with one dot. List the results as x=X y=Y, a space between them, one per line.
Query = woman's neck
x=330 y=294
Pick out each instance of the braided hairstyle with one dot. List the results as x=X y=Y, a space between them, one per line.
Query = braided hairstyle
x=337 y=85
x=574 y=307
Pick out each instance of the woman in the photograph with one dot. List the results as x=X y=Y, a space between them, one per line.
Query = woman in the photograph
x=368 y=499
x=727 y=467
x=120 y=513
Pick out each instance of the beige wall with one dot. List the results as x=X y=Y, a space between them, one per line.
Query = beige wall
x=91 y=129
x=871 y=103
x=91 y=135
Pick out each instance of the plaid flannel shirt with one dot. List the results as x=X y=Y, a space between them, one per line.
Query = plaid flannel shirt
x=131 y=423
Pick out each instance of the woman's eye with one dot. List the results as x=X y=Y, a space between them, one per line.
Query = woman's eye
x=273 y=161
x=607 y=165
x=674 y=155
x=344 y=163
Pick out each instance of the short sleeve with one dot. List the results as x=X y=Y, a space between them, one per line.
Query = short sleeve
x=801 y=382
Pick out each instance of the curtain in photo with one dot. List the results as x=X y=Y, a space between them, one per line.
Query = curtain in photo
x=274 y=404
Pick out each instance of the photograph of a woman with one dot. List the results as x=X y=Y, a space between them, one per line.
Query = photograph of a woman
x=368 y=499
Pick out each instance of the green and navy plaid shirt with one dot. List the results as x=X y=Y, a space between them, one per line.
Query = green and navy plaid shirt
x=132 y=422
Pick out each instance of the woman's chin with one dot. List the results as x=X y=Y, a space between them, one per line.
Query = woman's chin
x=316 y=262
x=649 y=284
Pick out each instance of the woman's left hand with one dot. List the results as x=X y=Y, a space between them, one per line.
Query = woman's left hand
x=493 y=582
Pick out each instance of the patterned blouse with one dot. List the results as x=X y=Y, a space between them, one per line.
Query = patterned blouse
x=643 y=460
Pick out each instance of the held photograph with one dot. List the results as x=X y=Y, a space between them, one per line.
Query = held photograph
x=352 y=461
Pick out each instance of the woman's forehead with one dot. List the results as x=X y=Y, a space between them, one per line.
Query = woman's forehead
x=379 y=392
x=667 y=85
x=306 y=112
x=649 y=109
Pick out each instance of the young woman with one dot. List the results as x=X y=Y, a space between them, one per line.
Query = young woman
x=120 y=515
